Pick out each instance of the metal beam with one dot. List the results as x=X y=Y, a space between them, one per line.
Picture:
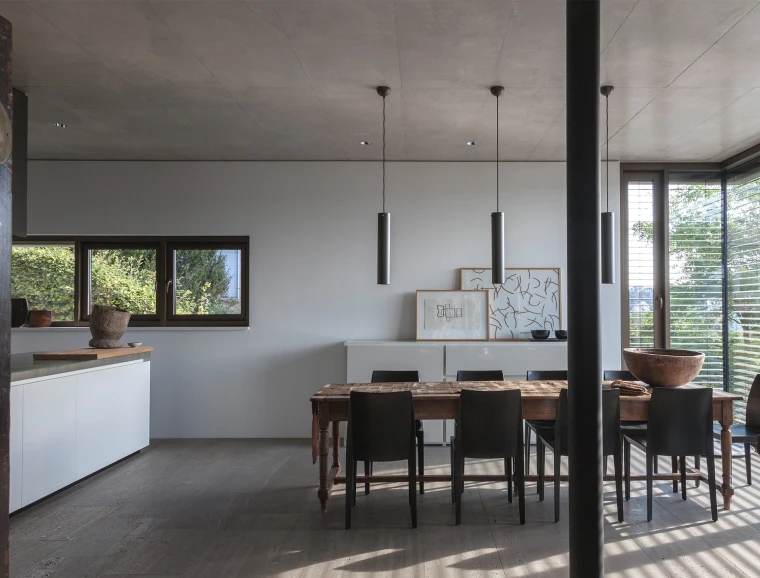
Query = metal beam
x=584 y=289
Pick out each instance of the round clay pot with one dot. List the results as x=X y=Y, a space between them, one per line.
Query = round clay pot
x=107 y=325
x=664 y=367
x=39 y=318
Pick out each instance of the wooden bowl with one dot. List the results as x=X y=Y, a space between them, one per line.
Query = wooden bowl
x=39 y=318
x=664 y=367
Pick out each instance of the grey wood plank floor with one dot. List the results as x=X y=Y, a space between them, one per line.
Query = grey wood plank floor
x=248 y=508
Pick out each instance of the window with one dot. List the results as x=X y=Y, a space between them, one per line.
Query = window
x=641 y=297
x=673 y=257
x=201 y=281
x=743 y=265
x=45 y=275
x=206 y=281
x=695 y=226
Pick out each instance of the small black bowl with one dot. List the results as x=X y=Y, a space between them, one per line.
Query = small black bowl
x=560 y=334
x=540 y=333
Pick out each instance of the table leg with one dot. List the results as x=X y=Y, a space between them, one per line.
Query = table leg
x=336 y=445
x=726 y=451
x=324 y=446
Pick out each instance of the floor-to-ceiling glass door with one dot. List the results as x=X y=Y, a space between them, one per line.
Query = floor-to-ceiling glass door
x=673 y=264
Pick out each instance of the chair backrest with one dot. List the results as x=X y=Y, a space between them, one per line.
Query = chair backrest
x=547 y=375
x=752 y=416
x=611 y=434
x=382 y=376
x=490 y=423
x=680 y=421
x=610 y=421
x=613 y=374
x=480 y=375
x=381 y=425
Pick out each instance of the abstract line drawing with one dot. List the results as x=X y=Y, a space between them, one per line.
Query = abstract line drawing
x=453 y=315
x=528 y=299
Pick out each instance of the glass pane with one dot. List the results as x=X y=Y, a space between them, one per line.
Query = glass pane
x=641 y=262
x=207 y=282
x=696 y=270
x=743 y=198
x=125 y=278
x=45 y=276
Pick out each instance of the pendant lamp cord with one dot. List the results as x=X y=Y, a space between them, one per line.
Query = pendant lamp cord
x=383 y=154
x=607 y=113
x=497 y=154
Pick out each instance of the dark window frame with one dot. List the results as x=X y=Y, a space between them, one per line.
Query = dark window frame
x=164 y=272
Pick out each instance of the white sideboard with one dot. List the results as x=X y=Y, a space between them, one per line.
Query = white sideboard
x=440 y=362
x=67 y=426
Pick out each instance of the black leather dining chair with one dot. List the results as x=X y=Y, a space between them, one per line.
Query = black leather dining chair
x=680 y=424
x=535 y=424
x=622 y=374
x=637 y=428
x=489 y=425
x=380 y=429
x=484 y=375
x=747 y=433
x=556 y=439
x=480 y=375
x=383 y=376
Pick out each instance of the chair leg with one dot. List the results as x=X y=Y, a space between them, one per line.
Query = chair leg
x=557 y=465
x=353 y=483
x=527 y=449
x=350 y=465
x=650 y=468
x=413 y=487
x=541 y=467
x=618 y=463
x=627 y=459
x=460 y=489
x=656 y=466
x=453 y=473
x=520 y=475
x=606 y=463
x=697 y=467
x=674 y=460
x=367 y=472
x=713 y=489
x=683 y=477
x=748 y=460
x=421 y=458
x=508 y=467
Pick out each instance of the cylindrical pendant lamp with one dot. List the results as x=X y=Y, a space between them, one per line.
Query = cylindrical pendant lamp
x=497 y=218
x=383 y=219
x=608 y=218
x=383 y=248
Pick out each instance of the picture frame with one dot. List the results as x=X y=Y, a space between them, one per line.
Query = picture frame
x=530 y=298
x=452 y=315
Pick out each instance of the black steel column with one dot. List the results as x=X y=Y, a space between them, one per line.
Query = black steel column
x=584 y=290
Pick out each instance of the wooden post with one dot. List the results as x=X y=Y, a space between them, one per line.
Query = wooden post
x=6 y=101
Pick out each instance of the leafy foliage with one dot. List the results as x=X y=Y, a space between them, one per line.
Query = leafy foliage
x=125 y=278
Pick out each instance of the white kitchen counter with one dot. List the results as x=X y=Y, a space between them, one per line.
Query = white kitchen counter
x=71 y=419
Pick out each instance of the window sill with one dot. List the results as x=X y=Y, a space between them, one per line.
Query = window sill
x=131 y=329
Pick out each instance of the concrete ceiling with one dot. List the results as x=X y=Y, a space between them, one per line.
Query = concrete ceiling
x=294 y=80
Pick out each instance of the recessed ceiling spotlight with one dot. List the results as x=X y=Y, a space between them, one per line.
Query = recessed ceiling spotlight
x=60 y=125
x=365 y=143
x=471 y=143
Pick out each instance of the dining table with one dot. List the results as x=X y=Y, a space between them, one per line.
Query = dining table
x=440 y=400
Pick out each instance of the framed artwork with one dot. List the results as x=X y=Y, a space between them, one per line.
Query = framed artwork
x=529 y=298
x=452 y=315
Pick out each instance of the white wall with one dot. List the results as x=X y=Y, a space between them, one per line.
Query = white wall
x=313 y=236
